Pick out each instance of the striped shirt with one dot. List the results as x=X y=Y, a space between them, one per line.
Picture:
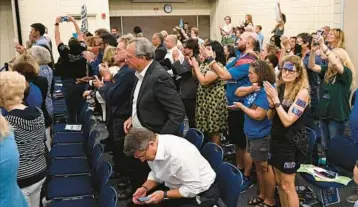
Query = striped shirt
x=29 y=130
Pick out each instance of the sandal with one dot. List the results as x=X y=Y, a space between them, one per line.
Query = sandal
x=263 y=204
x=255 y=201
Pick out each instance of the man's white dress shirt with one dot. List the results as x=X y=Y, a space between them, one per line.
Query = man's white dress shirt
x=179 y=164
x=135 y=121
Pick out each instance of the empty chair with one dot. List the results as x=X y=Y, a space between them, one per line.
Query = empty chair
x=230 y=180
x=195 y=136
x=213 y=153
x=78 y=166
x=75 y=149
x=79 y=186
x=108 y=197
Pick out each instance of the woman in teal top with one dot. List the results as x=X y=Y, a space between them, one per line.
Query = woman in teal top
x=10 y=193
x=257 y=128
x=333 y=107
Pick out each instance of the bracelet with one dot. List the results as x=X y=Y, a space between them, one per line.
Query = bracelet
x=146 y=189
x=57 y=24
x=289 y=50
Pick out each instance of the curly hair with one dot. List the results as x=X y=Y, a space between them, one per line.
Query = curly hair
x=301 y=81
x=12 y=88
x=264 y=72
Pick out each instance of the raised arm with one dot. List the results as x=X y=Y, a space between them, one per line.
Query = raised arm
x=57 y=31
x=332 y=58
x=77 y=28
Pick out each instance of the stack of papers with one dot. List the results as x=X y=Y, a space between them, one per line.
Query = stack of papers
x=310 y=169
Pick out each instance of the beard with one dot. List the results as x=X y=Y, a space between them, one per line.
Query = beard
x=241 y=48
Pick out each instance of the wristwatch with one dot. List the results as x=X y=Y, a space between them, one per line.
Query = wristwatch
x=288 y=50
x=165 y=195
x=277 y=105
x=56 y=24
x=209 y=59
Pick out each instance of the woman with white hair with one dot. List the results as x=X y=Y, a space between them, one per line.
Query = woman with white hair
x=29 y=129
x=10 y=193
x=43 y=58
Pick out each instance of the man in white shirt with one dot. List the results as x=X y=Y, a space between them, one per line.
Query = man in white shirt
x=171 y=45
x=177 y=164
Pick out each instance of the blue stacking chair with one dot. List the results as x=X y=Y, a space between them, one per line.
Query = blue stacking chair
x=213 y=153
x=107 y=198
x=79 y=186
x=61 y=137
x=74 y=150
x=230 y=180
x=76 y=166
x=195 y=136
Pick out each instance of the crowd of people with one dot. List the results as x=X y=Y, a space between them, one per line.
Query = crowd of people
x=259 y=96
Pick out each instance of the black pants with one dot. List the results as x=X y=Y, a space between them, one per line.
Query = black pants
x=117 y=141
x=74 y=101
x=190 y=106
x=236 y=128
x=207 y=199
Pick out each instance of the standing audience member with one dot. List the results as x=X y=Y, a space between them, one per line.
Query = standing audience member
x=229 y=52
x=72 y=66
x=188 y=85
x=158 y=43
x=289 y=142
x=137 y=31
x=237 y=76
x=333 y=107
x=211 y=113
x=257 y=128
x=226 y=32
x=188 y=177
x=10 y=193
x=29 y=129
x=279 y=29
x=115 y=32
x=248 y=20
x=260 y=36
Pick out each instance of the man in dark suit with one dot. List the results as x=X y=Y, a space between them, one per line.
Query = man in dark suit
x=156 y=104
x=158 y=43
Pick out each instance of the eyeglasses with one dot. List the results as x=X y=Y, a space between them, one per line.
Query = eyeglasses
x=285 y=70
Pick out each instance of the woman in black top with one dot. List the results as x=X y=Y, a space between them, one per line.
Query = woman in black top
x=71 y=66
x=289 y=142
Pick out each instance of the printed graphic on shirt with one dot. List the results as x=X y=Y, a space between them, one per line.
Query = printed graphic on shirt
x=296 y=111
x=251 y=98
x=301 y=103
x=289 y=165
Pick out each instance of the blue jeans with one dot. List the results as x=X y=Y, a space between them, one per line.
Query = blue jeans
x=330 y=129
x=74 y=101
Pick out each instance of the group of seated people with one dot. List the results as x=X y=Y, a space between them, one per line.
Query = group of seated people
x=145 y=89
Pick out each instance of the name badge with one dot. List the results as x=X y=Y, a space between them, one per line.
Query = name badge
x=326 y=96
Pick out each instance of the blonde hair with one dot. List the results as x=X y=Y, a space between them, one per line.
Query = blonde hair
x=108 y=56
x=301 y=81
x=4 y=127
x=12 y=88
x=41 y=55
x=26 y=65
x=339 y=36
x=345 y=60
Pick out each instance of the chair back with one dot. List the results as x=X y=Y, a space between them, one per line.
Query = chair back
x=103 y=173
x=108 y=197
x=96 y=155
x=213 y=153
x=195 y=136
x=311 y=143
x=91 y=140
x=230 y=180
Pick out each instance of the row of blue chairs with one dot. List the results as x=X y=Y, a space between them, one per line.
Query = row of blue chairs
x=77 y=173
x=229 y=178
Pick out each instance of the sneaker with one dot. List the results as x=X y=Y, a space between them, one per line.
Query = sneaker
x=248 y=183
x=352 y=198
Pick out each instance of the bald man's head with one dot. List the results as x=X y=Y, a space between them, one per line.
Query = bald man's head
x=171 y=41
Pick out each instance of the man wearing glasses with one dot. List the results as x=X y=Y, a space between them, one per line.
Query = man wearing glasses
x=188 y=177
